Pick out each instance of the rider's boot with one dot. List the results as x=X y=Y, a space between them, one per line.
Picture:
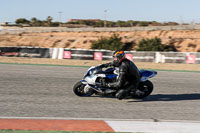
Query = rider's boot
x=124 y=92
x=108 y=91
x=121 y=94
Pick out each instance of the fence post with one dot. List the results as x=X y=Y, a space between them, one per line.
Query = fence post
x=162 y=58
x=55 y=53
x=60 y=53
x=158 y=57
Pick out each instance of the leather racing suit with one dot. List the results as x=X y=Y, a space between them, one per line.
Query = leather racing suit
x=129 y=75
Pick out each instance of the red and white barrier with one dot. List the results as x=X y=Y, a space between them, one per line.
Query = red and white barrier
x=157 y=57
x=98 y=56
x=191 y=59
x=67 y=55
x=129 y=56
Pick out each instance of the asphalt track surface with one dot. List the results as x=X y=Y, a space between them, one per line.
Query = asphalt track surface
x=46 y=91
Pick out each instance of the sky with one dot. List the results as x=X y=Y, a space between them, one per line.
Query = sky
x=181 y=11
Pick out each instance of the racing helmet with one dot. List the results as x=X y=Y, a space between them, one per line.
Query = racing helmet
x=118 y=56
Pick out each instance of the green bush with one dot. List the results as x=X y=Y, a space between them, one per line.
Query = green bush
x=154 y=45
x=22 y=21
x=112 y=43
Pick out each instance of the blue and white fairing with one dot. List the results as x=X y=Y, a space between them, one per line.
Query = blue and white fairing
x=94 y=72
x=146 y=74
x=91 y=75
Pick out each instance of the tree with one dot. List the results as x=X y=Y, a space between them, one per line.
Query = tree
x=22 y=21
x=35 y=22
x=122 y=24
x=49 y=20
x=55 y=24
x=143 y=23
x=131 y=23
x=109 y=24
x=99 y=24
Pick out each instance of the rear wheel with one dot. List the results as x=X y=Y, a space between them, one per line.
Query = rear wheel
x=146 y=87
x=80 y=89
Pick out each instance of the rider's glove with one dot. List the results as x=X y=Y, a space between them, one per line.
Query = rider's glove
x=103 y=84
x=108 y=85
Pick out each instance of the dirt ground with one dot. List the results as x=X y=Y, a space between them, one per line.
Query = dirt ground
x=183 y=40
x=141 y=65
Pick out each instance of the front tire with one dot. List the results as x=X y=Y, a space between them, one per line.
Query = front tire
x=146 y=87
x=78 y=89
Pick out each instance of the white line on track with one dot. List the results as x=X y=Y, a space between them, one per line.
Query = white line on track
x=105 y=119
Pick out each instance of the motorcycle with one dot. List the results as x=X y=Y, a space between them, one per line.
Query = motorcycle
x=93 y=78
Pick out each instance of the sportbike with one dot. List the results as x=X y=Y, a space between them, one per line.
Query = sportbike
x=93 y=78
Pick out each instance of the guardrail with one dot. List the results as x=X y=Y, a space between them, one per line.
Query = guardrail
x=157 y=57
x=85 y=54
x=17 y=30
x=34 y=52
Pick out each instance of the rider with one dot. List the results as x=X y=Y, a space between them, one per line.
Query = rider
x=129 y=75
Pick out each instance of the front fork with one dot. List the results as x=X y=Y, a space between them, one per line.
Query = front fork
x=88 y=86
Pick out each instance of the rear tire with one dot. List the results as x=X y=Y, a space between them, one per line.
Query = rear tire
x=146 y=87
x=78 y=89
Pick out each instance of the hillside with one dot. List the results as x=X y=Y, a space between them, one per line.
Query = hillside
x=184 y=40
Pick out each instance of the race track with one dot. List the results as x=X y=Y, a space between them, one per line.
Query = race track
x=46 y=91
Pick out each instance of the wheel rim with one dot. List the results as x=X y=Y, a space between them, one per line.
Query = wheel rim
x=80 y=90
x=144 y=88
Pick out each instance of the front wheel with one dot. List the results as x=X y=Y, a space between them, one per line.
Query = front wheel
x=145 y=87
x=81 y=90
